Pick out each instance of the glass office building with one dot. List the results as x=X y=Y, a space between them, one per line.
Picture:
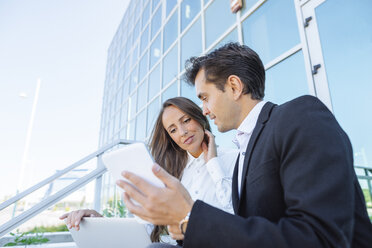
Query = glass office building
x=317 y=47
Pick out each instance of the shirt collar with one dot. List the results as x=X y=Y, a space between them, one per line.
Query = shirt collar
x=248 y=124
x=191 y=158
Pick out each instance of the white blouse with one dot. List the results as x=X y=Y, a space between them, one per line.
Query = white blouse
x=211 y=182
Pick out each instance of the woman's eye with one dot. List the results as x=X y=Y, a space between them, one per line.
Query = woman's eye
x=187 y=120
x=172 y=130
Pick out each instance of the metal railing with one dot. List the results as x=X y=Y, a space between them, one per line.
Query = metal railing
x=49 y=201
x=367 y=176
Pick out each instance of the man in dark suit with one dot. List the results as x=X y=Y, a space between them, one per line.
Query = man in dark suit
x=294 y=183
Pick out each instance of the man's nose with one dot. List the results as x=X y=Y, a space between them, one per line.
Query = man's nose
x=205 y=110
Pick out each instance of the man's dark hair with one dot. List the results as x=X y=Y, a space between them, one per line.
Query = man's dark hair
x=230 y=59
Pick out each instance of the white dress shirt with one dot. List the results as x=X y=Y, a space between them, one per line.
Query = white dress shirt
x=243 y=135
x=211 y=182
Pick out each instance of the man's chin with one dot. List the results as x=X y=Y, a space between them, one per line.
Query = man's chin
x=222 y=129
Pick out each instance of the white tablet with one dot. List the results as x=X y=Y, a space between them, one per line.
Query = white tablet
x=134 y=158
x=110 y=232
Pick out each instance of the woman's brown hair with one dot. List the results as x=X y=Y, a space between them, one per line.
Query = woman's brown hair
x=165 y=151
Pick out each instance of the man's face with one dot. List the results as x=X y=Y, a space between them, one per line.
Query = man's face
x=218 y=104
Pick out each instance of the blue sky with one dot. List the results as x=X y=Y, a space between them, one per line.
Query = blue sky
x=64 y=43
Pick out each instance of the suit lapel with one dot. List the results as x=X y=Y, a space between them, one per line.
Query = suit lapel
x=261 y=121
x=234 y=189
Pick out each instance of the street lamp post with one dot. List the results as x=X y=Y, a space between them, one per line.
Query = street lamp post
x=27 y=145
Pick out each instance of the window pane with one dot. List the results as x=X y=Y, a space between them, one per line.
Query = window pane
x=152 y=114
x=123 y=133
x=136 y=32
x=286 y=80
x=170 y=65
x=155 y=4
x=171 y=91
x=124 y=114
x=132 y=105
x=133 y=79
x=188 y=91
x=131 y=128
x=191 y=44
x=141 y=126
x=144 y=39
x=218 y=15
x=154 y=82
x=272 y=29
x=170 y=5
x=155 y=23
x=134 y=56
x=247 y=5
x=347 y=54
x=231 y=37
x=142 y=95
x=143 y=66
x=155 y=51
x=189 y=9
x=125 y=90
x=170 y=31
x=145 y=15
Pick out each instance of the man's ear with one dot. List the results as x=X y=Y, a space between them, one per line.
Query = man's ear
x=236 y=86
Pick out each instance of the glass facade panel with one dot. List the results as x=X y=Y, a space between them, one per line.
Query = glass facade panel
x=171 y=91
x=133 y=80
x=191 y=43
x=189 y=9
x=132 y=105
x=247 y=5
x=145 y=15
x=142 y=95
x=170 y=31
x=124 y=114
x=141 y=126
x=143 y=66
x=170 y=6
x=347 y=54
x=272 y=29
x=189 y=92
x=286 y=80
x=144 y=39
x=155 y=23
x=131 y=128
x=154 y=82
x=152 y=114
x=231 y=37
x=170 y=65
x=155 y=51
x=155 y=4
x=218 y=15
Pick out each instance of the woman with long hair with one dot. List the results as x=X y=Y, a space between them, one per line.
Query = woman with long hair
x=182 y=143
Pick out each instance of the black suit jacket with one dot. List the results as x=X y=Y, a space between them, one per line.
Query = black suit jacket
x=299 y=187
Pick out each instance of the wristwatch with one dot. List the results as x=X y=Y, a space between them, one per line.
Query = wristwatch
x=183 y=223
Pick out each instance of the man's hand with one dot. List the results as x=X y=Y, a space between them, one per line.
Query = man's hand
x=175 y=232
x=209 y=149
x=160 y=206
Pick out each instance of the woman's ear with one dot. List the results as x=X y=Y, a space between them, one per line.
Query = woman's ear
x=236 y=86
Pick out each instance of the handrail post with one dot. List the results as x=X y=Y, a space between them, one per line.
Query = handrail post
x=98 y=187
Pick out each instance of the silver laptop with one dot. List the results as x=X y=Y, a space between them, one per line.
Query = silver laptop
x=110 y=233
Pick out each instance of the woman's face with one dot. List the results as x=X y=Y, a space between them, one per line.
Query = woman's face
x=184 y=131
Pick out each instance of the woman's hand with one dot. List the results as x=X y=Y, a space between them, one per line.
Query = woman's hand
x=209 y=149
x=73 y=218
